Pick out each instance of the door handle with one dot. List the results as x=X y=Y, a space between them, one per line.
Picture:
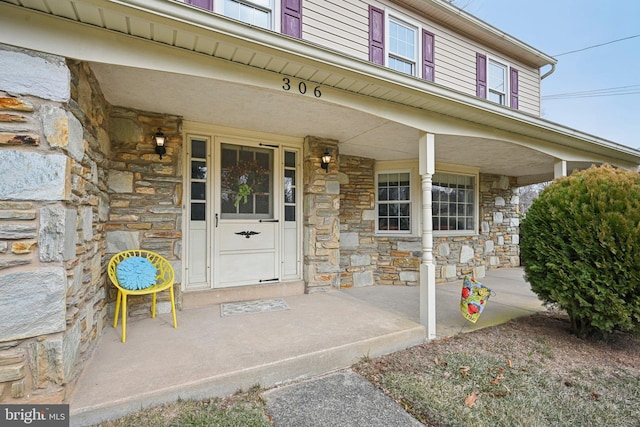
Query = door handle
x=269 y=220
x=216 y=216
x=247 y=233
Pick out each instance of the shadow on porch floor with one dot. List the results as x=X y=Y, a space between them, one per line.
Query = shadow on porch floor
x=211 y=355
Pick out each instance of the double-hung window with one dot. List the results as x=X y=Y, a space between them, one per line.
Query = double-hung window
x=394 y=202
x=277 y=15
x=496 y=81
x=253 y=12
x=402 y=47
x=454 y=202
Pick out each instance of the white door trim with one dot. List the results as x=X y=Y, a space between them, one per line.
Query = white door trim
x=290 y=231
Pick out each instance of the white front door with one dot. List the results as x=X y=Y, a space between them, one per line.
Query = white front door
x=243 y=216
x=247 y=223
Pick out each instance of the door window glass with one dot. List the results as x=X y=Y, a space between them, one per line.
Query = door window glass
x=198 y=180
x=246 y=182
x=290 y=186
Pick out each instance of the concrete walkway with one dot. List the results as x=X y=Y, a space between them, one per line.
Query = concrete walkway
x=210 y=355
x=341 y=399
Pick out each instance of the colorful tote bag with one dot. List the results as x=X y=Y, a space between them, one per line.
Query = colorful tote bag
x=474 y=298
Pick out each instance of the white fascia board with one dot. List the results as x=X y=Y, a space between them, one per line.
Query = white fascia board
x=184 y=17
x=451 y=16
x=271 y=41
x=495 y=32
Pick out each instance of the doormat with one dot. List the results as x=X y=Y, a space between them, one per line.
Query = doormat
x=258 y=306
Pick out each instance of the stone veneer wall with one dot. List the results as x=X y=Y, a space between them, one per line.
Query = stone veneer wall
x=320 y=217
x=358 y=243
x=146 y=196
x=389 y=260
x=53 y=208
x=79 y=181
x=497 y=244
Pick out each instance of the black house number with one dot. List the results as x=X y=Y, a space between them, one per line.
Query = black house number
x=302 y=87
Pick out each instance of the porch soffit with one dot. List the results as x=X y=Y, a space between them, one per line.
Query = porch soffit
x=357 y=124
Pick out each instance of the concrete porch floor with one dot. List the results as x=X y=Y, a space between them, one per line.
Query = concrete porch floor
x=213 y=356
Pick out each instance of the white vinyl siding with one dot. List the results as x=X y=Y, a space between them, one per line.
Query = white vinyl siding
x=455 y=63
x=529 y=90
x=456 y=69
x=344 y=27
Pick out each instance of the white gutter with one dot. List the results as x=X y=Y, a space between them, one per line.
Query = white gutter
x=483 y=26
x=176 y=11
x=548 y=73
x=189 y=18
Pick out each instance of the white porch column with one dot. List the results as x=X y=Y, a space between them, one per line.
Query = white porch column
x=559 y=169
x=427 y=166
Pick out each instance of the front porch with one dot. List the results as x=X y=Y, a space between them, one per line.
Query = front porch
x=210 y=355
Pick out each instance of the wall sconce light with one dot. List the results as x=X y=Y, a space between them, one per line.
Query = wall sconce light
x=326 y=159
x=160 y=139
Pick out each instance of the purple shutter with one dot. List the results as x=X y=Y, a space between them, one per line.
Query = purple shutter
x=205 y=4
x=376 y=35
x=428 y=56
x=292 y=18
x=513 y=84
x=481 y=75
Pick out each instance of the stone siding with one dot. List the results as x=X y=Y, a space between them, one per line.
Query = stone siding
x=53 y=208
x=399 y=260
x=497 y=244
x=80 y=181
x=145 y=194
x=320 y=218
x=500 y=216
x=358 y=244
x=367 y=258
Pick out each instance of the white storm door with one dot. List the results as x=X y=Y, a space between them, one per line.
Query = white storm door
x=246 y=223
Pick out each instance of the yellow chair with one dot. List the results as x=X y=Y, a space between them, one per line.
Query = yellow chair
x=164 y=280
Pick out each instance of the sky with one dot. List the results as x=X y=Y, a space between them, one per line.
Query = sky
x=558 y=26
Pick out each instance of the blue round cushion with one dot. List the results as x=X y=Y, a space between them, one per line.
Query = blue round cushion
x=135 y=273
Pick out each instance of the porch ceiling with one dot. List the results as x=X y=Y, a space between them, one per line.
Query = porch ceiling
x=174 y=44
x=360 y=134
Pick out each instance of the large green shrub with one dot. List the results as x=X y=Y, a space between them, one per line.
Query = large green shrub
x=581 y=248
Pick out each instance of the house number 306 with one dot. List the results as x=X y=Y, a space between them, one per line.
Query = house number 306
x=302 y=87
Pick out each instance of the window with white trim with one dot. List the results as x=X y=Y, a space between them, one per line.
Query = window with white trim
x=454 y=202
x=277 y=15
x=401 y=44
x=253 y=12
x=394 y=202
x=403 y=47
x=497 y=82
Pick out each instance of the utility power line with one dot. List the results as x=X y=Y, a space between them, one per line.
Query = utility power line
x=614 y=91
x=597 y=45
